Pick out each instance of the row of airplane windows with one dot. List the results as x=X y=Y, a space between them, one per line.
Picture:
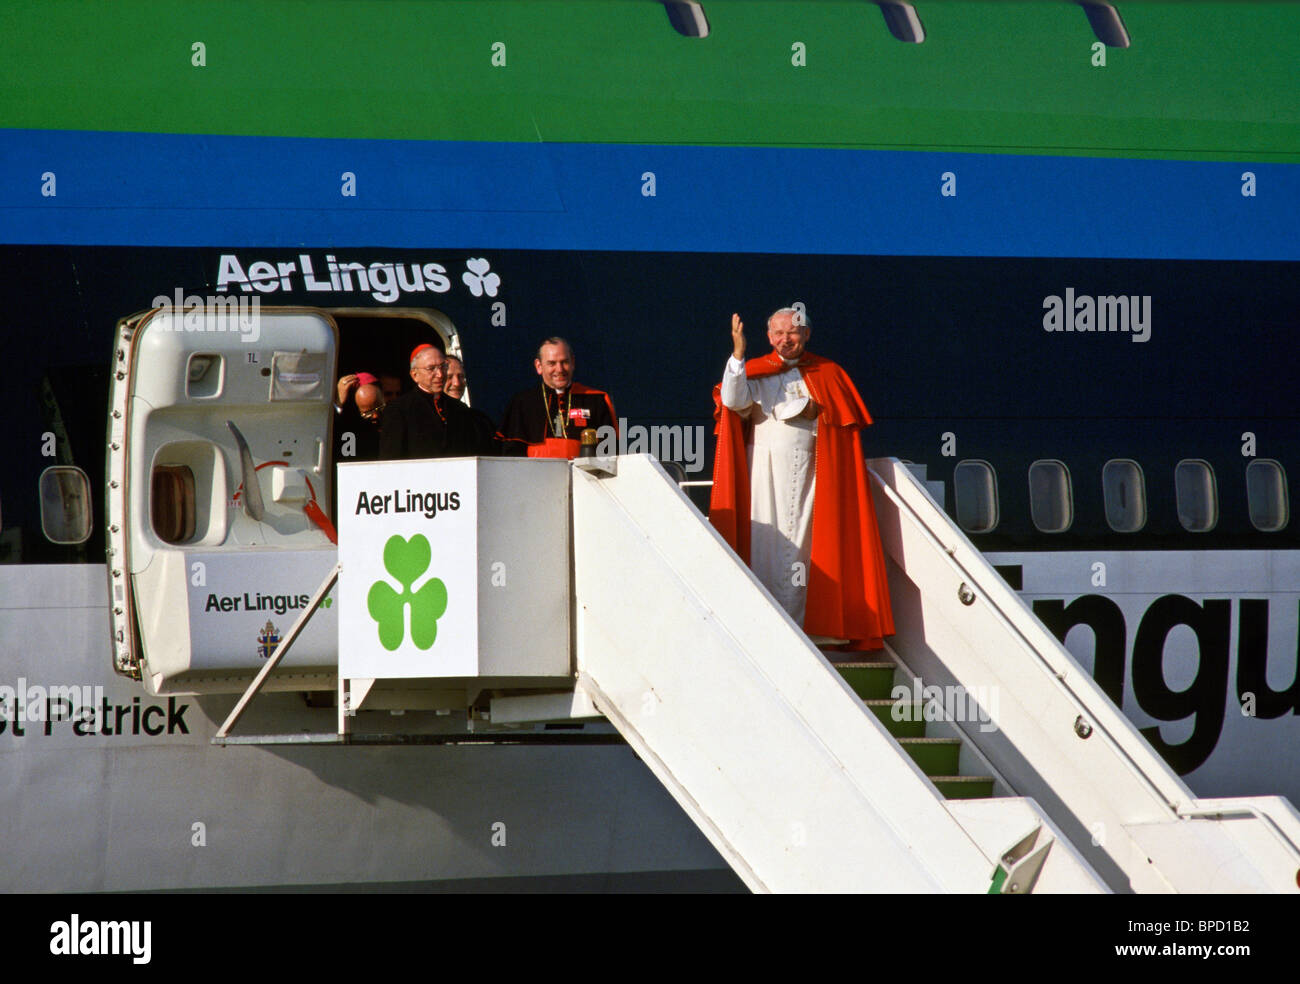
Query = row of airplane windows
x=66 y=500
x=1123 y=485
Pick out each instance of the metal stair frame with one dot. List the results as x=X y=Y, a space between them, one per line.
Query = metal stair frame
x=1059 y=738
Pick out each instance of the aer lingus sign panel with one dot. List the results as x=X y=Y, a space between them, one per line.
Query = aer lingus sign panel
x=408 y=550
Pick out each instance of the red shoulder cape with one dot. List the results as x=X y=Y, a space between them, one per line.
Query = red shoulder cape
x=848 y=596
x=579 y=388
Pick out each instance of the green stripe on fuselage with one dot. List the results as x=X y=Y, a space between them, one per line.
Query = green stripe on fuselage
x=1201 y=80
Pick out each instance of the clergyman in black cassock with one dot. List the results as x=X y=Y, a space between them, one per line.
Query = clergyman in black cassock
x=426 y=423
x=547 y=421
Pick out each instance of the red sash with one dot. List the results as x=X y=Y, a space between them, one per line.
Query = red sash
x=555 y=447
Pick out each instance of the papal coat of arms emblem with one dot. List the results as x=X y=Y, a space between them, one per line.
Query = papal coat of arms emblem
x=267 y=640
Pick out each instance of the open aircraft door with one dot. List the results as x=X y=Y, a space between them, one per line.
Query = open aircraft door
x=219 y=484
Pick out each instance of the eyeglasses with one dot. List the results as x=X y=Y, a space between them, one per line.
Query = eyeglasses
x=436 y=367
x=372 y=414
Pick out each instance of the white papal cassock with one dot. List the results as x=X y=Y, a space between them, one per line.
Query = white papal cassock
x=781 y=478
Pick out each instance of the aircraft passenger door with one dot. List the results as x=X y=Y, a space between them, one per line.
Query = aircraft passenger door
x=219 y=467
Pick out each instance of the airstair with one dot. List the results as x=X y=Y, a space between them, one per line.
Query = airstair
x=791 y=769
x=973 y=754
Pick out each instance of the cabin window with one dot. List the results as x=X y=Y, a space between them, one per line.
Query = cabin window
x=1197 y=495
x=172 y=503
x=1124 y=490
x=1051 y=503
x=1266 y=495
x=204 y=375
x=65 y=504
x=188 y=493
x=975 y=488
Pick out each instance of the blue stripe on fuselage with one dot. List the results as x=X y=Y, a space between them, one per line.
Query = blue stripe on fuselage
x=142 y=189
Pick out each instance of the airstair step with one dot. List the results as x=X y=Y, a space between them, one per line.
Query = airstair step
x=870 y=680
x=938 y=758
x=935 y=756
x=964 y=787
x=913 y=725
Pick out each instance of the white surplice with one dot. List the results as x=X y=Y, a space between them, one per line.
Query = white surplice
x=781 y=479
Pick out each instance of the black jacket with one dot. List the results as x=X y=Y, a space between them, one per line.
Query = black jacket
x=412 y=427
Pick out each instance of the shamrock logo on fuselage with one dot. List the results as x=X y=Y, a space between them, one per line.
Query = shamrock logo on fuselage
x=406 y=561
x=479 y=278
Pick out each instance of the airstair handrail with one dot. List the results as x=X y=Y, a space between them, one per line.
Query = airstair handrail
x=1102 y=716
x=786 y=723
x=1204 y=810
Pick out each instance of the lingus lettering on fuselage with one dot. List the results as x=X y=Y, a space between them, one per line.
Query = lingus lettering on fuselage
x=428 y=504
x=1205 y=699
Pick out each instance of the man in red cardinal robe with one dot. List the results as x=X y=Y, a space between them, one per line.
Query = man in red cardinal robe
x=791 y=492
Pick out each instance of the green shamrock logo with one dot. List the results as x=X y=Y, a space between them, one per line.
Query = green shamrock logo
x=406 y=560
